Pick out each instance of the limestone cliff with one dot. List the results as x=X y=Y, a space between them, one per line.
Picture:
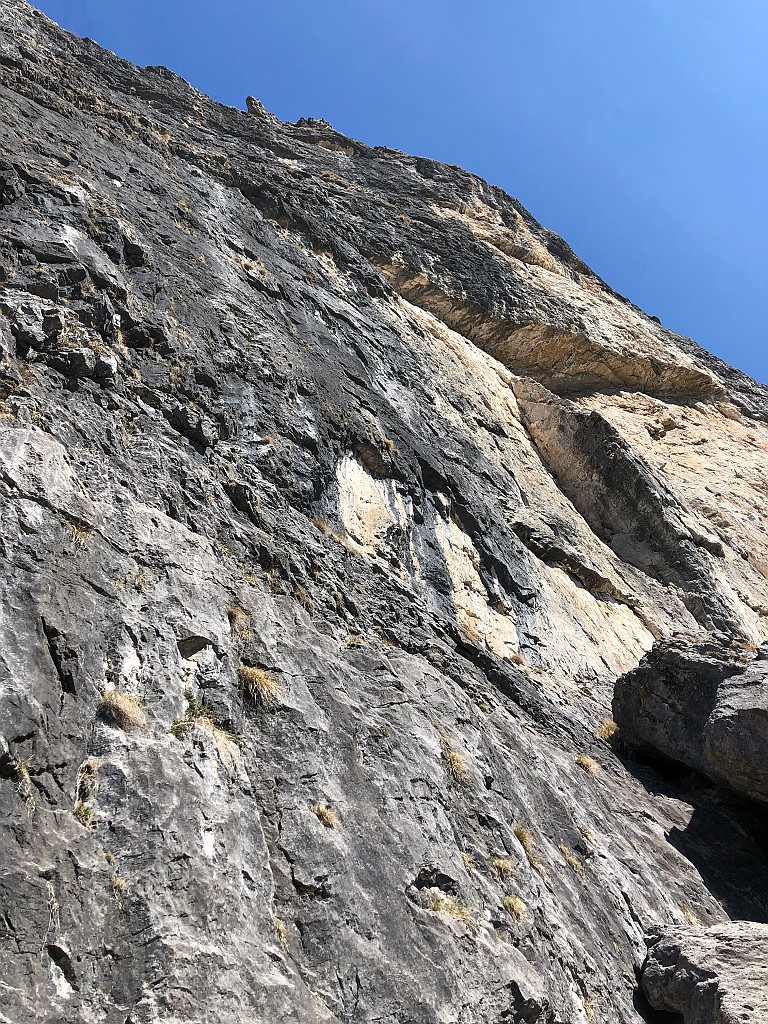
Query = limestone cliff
x=336 y=493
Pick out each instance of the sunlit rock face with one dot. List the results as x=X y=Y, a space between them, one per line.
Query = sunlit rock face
x=337 y=493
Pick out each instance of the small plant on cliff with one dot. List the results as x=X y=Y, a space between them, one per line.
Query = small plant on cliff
x=606 y=729
x=514 y=906
x=689 y=915
x=571 y=860
x=585 y=762
x=84 y=814
x=441 y=903
x=469 y=862
x=280 y=930
x=239 y=621
x=22 y=771
x=322 y=525
x=81 y=533
x=201 y=716
x=302 y=595
x=85 y=782
x=259 y=686
x=122 y=709
x=197 y=714
x=502 y=867
x=524 y=836
x=119 y=889
x=590 y=1009
x=455 y=763
x=326 y=817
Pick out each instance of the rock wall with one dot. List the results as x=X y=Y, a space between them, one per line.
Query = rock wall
x=336 y=493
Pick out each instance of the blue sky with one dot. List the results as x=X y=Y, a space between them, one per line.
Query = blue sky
x=637 y=129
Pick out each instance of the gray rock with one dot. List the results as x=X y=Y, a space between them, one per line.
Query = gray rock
x=312 y=610
x=736 y=733
x=715 y=975
x=9 y=369
x=11 y=185
x=106 y=365
x=702 y=703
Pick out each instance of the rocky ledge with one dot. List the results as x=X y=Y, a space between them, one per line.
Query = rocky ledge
x=717 y=974
x=336 y=493
x=701 y=702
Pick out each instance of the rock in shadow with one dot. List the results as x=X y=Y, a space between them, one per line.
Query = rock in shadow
x=726 y=838
x=726 y=846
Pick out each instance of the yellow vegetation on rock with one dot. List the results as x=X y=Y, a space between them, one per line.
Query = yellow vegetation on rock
x=258 y=685
x=525 y=837
x=122 y=709
x=585 y=762
x=441 y=903
x=606 y=729
x=502 y=867
x=571 y=860
x=455 y=762
x=515 y=907
x=325 y=815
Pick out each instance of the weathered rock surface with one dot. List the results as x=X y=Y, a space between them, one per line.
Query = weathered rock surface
x=703 y=703
x=336 y=492
x=717 y=974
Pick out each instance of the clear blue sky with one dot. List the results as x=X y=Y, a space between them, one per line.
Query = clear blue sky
x=636 y=129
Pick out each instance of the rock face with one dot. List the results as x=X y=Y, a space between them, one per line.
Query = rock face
x=336 y=492
x=717 y=974
x=701 y=703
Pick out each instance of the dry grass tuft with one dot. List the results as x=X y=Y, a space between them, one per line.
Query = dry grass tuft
x=122 y=709
x=303 y=596
x=259 y=686
x=469 y=862
x=81 y=533
x=689 y=914
x=239 y=621
x=325 y=816
x=606 y=729
x=590 y=1009
x=524 y=836
x=119 y=889
x=22 y=768
x=84 y=814
x=585 y=762
x=572 y=860
x=202 y=717
x=440 y=903
x=455 y=763
x=515 y=907
x=280 y=930
x=502 y=867
x=85 y=782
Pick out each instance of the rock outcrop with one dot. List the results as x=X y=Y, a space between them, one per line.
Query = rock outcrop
x=702 y=702
x=717 y=974
x=336 y=492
